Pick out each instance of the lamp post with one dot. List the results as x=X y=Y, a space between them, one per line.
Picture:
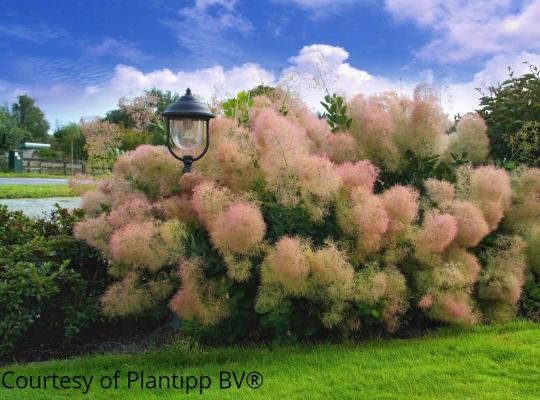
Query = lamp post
x=188 y=129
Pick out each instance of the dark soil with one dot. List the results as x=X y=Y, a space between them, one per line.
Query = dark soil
x=104 y=342
x=128 y=341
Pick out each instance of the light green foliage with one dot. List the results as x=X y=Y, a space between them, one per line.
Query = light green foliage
x=158 y=131
x=524 y=145
x=336 y=113
x=238 y=107
x=130 y=139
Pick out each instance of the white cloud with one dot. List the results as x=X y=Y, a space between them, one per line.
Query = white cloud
x=424 y=12
x=467 y=29
x=64 y=103
x=320 y=65
x=69 y=102
x=462 y=97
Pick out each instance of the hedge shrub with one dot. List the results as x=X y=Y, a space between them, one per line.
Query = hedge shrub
x=49 y=282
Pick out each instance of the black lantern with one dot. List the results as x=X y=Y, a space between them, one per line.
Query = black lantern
x=188 y=129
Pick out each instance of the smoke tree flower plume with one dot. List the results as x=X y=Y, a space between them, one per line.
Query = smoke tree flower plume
x=288 y=229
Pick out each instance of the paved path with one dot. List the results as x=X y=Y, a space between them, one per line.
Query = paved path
x=40 y=207
x=31 y=181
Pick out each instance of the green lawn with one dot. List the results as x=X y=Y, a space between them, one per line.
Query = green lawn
x=495 y=362
x=35 y=191
x=31 y=175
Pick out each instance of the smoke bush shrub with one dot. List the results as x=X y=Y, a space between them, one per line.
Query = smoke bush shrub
x=286 y=230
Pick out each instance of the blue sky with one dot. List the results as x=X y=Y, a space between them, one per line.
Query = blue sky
x=78 y=57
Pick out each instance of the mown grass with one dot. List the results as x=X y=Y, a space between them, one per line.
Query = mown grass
x=35 y=191
x=38 y=175
x=32 y=175
x=493 y=362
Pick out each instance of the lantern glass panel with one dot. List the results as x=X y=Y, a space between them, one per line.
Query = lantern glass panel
x=187 y=134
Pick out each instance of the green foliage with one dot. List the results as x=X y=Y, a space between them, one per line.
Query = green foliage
x=238 y=107
x=511 y=109
x=130 y=139
x=531 y=298
x=24 y=287
x=419 y=169
x=242 y=295
x=3 y=163
x=155 y=132
x=11 y=134
x=49 y=154
x=336 y=113
x=43 y=299
x=508 y=165
x=158 y=133
x=30 y=118
x=370 y=314
x=261 y=90
x=49 y=281
x=164 y=98
x=70 y=137
x=119 y=117
x=293 y=321
x=524 y=145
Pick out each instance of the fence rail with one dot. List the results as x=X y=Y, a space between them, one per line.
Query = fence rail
x=53 y=167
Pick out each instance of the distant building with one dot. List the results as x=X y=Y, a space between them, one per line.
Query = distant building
x=30 y=150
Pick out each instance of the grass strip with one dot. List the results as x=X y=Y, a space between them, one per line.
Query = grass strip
x=35 y=191
x=489 y=362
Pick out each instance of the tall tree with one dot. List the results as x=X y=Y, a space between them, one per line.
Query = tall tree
x=30 y=118
x=119 y=117
x=11 y=135
x=162 y=98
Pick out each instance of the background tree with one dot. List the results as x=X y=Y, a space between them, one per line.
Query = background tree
x=11 y=135
x=162 y=98
x=64 y=136
x=30 y=118
x=119 y=117
x=512 y=112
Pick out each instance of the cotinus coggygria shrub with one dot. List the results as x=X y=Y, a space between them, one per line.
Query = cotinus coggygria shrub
x=285 y=231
